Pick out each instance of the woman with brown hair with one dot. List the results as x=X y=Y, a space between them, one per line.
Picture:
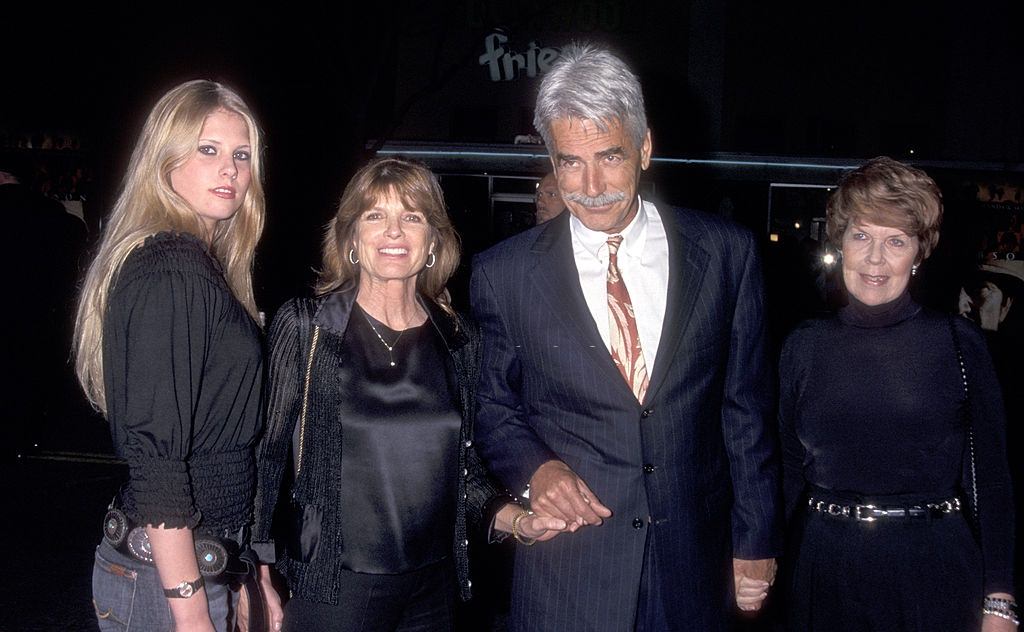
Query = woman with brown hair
x=893 y=435
x=370 y=411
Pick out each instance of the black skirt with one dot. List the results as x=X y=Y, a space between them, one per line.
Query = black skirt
x=904 y=575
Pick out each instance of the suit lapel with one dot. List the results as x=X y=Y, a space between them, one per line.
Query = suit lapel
x=557 y=282
x=687 y=264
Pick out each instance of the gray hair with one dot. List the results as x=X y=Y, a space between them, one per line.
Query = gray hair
x=587 y=82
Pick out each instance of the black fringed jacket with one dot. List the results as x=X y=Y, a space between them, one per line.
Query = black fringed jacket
x=313 y=496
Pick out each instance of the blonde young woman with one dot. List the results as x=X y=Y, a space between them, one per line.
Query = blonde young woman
x=167 y=345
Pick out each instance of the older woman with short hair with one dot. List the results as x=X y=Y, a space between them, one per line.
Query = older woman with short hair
x=370 y=413
x=893 y=434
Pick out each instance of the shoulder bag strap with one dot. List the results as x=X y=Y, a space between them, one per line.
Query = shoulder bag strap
x=973 y=490
x=305 y=397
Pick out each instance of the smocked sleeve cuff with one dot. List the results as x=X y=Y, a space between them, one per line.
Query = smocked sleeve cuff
x=159 y=493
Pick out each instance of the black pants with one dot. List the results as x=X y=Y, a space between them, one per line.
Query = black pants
x=419 y=601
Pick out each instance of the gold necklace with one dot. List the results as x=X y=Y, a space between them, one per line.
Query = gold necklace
x=389 y=347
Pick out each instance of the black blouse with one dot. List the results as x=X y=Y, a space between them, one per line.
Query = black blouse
x=871 y=405
x=400 y=450
x=183 y=372
x=314 y=497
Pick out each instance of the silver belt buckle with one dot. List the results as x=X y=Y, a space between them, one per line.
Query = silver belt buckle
x=860 y=517
x=948 y=506
x=835 y=509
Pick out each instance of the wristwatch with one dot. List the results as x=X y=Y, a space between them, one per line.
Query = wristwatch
x=184 y=590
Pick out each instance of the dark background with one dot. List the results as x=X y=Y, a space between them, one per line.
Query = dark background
x=790 y=79
x=824 y=84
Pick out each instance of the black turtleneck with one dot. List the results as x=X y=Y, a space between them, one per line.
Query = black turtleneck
x=871 y=405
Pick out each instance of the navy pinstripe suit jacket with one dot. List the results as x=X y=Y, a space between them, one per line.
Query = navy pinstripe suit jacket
x=549 y=390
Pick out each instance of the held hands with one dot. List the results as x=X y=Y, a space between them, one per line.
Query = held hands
x=560 y=502
x=556 y=491
x=531 y=527
x=752 y=579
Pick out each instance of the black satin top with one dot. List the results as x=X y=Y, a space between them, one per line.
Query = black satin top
x=400 y=449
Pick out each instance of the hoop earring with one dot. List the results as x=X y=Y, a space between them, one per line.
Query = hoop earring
x=352 y=256
x=431 y=260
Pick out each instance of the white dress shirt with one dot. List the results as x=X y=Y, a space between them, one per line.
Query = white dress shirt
x=643 y=264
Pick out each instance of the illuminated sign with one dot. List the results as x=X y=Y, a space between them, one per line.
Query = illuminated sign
x=505 y=64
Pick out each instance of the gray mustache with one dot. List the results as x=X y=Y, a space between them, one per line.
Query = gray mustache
x=599 y=200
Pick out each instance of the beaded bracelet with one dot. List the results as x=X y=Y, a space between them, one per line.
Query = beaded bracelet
x=1002 y=608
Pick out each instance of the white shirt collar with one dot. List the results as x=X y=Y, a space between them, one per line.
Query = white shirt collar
x=633 y=235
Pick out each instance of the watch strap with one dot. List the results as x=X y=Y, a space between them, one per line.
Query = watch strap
x=184 y=590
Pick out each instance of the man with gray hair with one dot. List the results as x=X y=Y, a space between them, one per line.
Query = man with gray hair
x=625 y=383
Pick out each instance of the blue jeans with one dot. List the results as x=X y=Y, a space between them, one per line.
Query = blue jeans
x=128 y=596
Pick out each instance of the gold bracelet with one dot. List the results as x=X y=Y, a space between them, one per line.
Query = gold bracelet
x=515 y=529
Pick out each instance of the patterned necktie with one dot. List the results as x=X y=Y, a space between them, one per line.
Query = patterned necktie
x=625 y=340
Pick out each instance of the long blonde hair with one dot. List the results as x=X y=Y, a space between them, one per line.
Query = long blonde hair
x=148 y=205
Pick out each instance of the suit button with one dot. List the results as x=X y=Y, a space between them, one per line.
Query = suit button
x=646 y=413
x=649 y=468
x=638 y=523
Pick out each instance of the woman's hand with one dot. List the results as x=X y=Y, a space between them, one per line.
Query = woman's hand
x=174 y=555
x=993 y=623
x=275 y=614
x=242 y=610
x=532 y=526
x=271 y=601
x=540 y=528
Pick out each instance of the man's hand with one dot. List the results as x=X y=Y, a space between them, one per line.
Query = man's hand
x=556 y=491
x=752 y=579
